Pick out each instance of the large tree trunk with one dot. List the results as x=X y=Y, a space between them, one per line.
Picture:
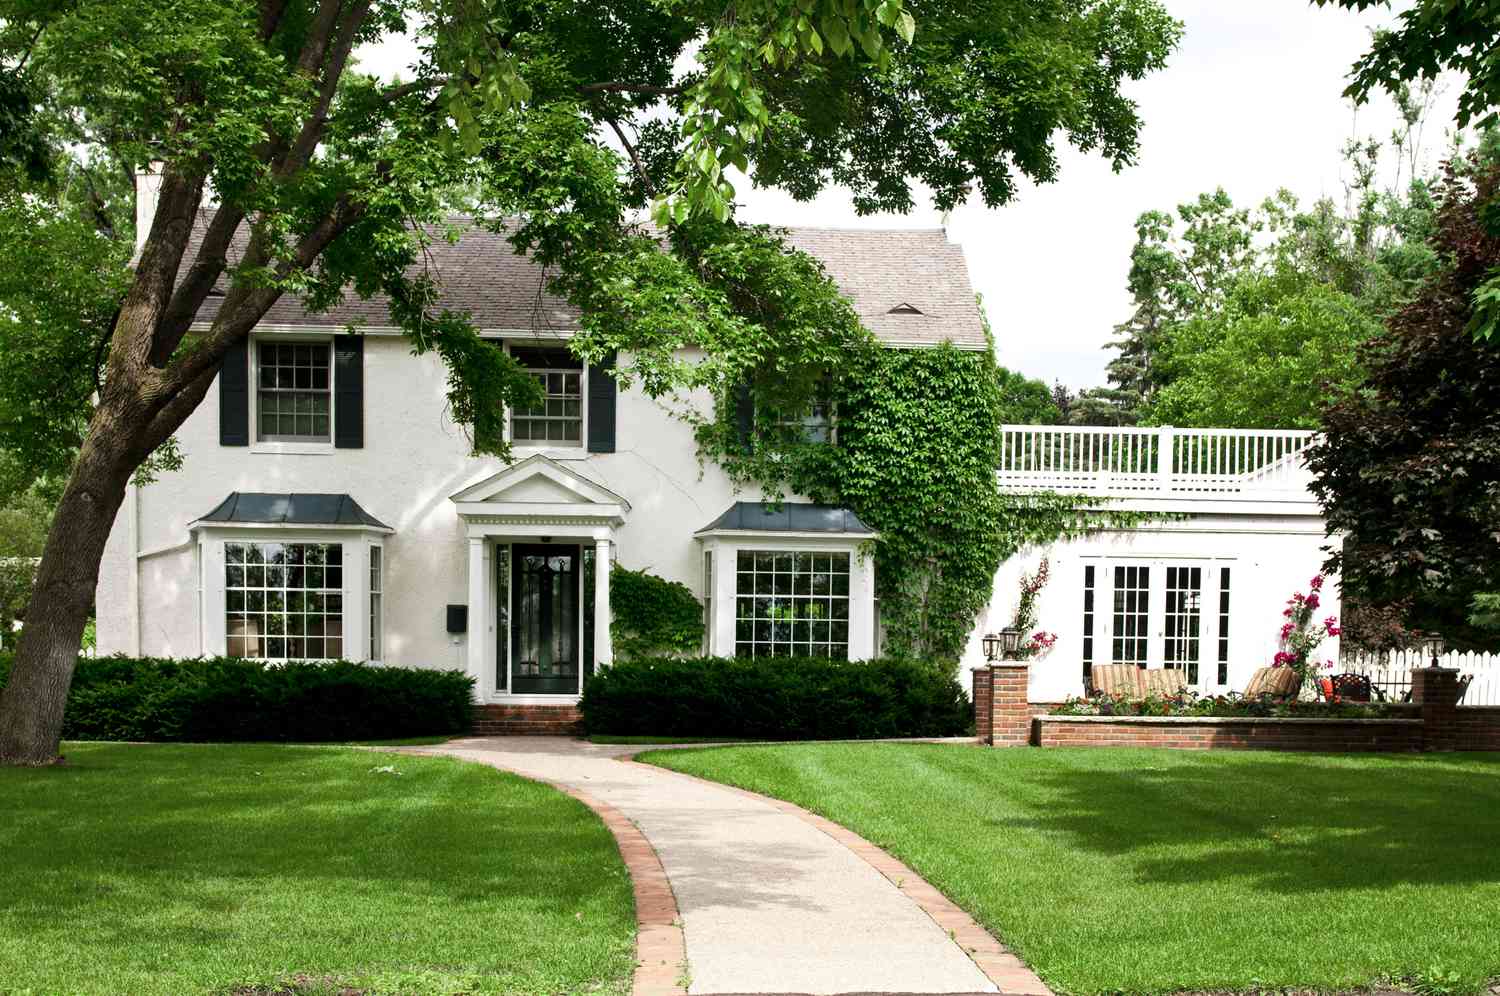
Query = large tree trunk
x=31 y=704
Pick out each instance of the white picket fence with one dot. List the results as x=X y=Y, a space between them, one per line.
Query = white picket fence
x=1391 y=672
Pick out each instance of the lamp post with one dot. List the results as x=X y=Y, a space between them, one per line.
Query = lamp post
x=1004 y=645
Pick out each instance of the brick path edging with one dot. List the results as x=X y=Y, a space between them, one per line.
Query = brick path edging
x=1010 y=974
x=660 y=951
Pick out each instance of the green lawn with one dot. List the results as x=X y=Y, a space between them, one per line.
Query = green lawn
x=197 y=869
x=1151 y=871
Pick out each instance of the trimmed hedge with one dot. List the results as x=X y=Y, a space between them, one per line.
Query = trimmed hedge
x=778 y=698
x=222 y=699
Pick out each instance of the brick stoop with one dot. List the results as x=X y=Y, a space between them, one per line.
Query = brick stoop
x=527 y=720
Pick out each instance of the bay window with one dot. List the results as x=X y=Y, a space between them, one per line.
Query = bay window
x=284 y=601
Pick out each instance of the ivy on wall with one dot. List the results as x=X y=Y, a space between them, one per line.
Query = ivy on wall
x=652 y=615
x=918 y=436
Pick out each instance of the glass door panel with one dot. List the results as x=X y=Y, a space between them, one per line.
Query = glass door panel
x=1182 y=629
x=1130 y=627
x=544 y=625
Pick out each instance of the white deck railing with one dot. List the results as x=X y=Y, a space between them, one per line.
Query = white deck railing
x=1162 y=462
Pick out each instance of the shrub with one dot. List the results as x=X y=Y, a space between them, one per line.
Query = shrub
x=653 y=615
x=780 y=698
x=228 y=699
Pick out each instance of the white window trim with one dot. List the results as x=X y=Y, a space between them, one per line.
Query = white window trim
x=305 y=447
x=213 y=618
x=371 y=636
x=726 y=544
x=551 y=449
x=1208 y=619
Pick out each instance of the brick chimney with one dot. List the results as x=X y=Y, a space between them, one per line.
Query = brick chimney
x=147 y=192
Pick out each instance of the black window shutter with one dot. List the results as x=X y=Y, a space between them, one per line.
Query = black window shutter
x=234 y=396
x=602 y=397
x=744 y=412
x=349 y=392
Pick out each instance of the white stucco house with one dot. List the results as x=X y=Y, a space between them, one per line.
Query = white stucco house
x=329 y=507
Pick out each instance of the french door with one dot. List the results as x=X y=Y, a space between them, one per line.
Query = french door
x=1159 y=613
x=545 y=652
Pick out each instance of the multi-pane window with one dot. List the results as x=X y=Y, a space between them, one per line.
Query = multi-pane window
x=284 y=601
x=1223 y=626
x=791 y=604
x=1183 y=620
x=1088 y=622
x=1130 y=625
x=377 y=592
x=294 y=392
x=816 y=426
x=558 y=419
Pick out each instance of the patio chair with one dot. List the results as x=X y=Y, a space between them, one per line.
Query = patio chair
x=1165 y=682
x=1136 y=682
x=1277 y=682
x=1115 y=679
x=1350 y=687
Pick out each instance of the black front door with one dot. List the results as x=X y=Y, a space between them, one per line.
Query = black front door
x=544 y=623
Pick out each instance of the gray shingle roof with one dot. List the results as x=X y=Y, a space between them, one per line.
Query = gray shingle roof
x=292 y=510
x=791 y=517
x=877 y=270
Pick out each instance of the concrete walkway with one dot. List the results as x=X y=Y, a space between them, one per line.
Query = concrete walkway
x=769 y=903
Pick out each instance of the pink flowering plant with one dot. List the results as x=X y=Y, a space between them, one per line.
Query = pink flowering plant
x=1301 y=636
x=1041 y=641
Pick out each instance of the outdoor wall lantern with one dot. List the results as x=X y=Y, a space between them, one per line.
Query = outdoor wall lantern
x=1002 y=645
x=1433 y=645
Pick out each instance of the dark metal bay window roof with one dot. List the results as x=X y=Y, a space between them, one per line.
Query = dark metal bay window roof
x=790 y=517
x=292 y=510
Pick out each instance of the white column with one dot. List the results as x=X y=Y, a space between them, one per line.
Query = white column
x=356 y=622
x=726 y=589
x=861 y=607
x=479 y=616
x=604 y=653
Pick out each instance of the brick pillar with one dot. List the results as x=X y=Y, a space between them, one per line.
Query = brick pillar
x=1010 y=725
x=984 y=702
x=1435 y=689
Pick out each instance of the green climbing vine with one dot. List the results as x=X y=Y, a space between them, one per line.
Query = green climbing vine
x=917 y=444
x=652 y=615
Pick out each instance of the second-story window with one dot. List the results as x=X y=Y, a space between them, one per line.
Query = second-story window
x=558 y=420
x=294 y=395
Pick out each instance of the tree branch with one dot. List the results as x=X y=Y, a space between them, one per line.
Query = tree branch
x=640 y=167
x=621 y=86
x=333 y=71
x=197 y=283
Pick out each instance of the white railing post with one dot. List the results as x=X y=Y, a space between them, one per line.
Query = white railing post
x=1166 y=445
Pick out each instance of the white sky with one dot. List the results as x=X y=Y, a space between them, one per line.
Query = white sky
x=1251 y=101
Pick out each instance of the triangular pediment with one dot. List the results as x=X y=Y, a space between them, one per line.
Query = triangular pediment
x=539 y=480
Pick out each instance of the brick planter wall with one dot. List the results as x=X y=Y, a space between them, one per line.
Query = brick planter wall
x=1233 y=733
x=527 y=720
x=1433 y=721
x=1477 y=728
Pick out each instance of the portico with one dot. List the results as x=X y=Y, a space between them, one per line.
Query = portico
x=541 y=540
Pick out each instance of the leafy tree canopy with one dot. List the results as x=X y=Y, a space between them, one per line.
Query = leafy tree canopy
x=1249 y=317
x=1409 y=463
x=569 y=117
